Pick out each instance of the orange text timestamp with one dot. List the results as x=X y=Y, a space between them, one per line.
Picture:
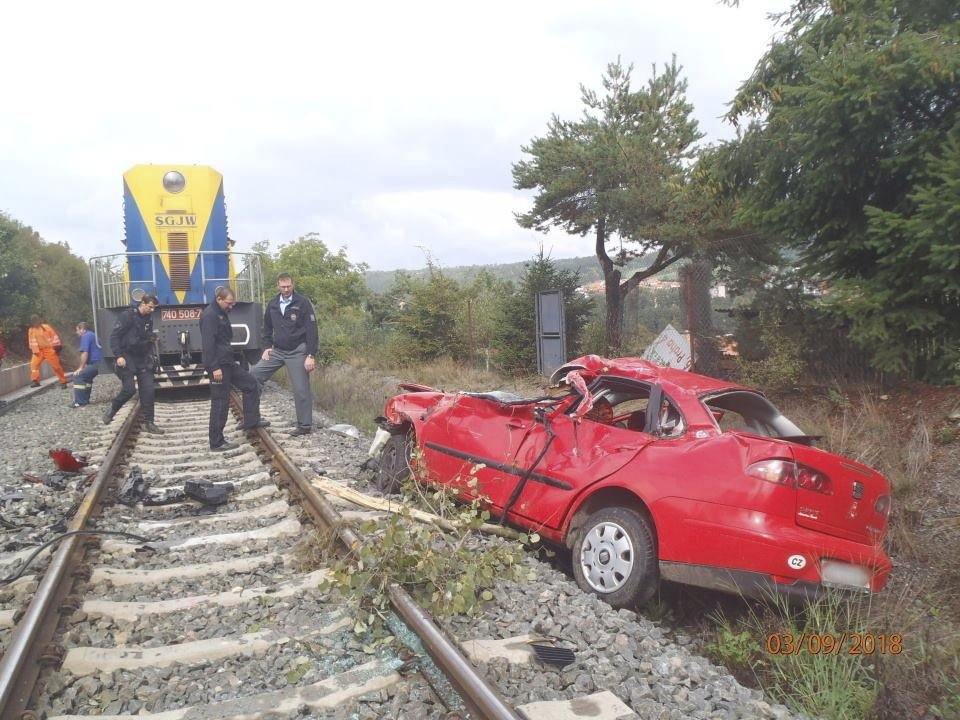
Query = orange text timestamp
x=835 y=643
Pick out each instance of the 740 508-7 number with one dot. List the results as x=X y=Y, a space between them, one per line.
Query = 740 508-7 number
x=180 y=313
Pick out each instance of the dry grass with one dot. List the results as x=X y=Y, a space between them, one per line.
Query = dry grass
x=316 y=550
x=868 y=431
x=922 y=602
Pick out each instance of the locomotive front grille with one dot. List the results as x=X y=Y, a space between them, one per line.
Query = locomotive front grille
x=177 y=242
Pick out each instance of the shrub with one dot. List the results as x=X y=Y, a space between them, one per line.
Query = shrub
x=447 y=570
x=427 y=328
x=781 y=366
x=945 y=435
x=771 y=641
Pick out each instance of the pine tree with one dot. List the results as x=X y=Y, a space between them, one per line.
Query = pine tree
x=515 y=335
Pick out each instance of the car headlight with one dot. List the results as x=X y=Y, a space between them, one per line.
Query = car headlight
x=834 y=573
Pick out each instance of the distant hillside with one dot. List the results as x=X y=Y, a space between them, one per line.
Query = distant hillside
x=379 y=280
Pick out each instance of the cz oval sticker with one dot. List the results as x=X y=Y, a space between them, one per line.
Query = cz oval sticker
x=797 y=562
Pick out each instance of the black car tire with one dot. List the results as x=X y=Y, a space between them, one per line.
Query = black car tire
x=594 y=547
x=394 y=466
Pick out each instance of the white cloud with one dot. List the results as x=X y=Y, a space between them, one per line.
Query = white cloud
x=454 y=224
x=379 y=125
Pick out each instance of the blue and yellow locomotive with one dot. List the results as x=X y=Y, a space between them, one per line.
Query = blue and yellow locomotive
x=177 y=247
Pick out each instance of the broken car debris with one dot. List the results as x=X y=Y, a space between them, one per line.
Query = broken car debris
x=136 y=489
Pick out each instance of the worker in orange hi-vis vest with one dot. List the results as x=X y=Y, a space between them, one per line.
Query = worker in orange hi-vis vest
x=45 y=345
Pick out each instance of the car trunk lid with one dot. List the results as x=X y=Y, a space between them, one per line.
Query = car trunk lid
x=847 y=508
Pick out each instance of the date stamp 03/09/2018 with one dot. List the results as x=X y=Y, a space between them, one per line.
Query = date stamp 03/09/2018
x=835 y=643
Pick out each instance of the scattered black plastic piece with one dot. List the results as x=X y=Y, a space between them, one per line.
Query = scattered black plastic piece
x=133 y=489
x=549 y=653
x=207 y=492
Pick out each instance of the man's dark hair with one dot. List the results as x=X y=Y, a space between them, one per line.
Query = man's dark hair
x=149 y=299
x=35 y=320
x=223 y=292
x=82 y=325
x=284 y=276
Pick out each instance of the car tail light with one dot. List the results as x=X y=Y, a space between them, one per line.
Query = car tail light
x=883 y=505
x=810 y=479
x=791 y=474
x=781 y=472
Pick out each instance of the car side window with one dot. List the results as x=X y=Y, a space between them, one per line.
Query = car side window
x=620 y=403
x=671 y=421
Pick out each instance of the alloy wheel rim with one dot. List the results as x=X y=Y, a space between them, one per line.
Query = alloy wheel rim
x=606 y=557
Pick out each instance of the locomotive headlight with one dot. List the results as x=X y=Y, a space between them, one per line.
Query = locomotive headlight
x=174 y=182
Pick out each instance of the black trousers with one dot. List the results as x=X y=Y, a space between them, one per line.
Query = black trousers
x=143 y=374
x=233 y=376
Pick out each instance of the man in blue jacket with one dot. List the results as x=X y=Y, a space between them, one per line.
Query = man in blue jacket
x=216 y=333
x=290 y=339
x=90 y=357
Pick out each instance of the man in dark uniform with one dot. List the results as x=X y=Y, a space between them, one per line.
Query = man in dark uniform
x=216 y=334
x=131 y=342
x=290 y=339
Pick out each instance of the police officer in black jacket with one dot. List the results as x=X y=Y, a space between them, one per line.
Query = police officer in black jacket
x=290 y=339
x=216 y=334
x=131 y=343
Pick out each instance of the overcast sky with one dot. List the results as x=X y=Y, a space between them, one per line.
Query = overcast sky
x=384 y=127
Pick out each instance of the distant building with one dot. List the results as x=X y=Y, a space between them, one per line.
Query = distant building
x=598 y=287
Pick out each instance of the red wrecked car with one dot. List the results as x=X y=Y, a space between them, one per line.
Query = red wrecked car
x=650 y=473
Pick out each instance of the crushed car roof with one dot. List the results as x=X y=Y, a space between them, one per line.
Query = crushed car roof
x=592 y=366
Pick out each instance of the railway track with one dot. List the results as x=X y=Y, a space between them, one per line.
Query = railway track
x=138 y=619
x=217 y=619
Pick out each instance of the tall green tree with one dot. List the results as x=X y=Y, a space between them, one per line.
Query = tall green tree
x=39 y=277
x=426 y=327
x=515 y=336
x=328 y=278
x=479 y=314
x=852 y=124
x=619 y=173
x=19 y=286
x=268 y=262
x=384 y=308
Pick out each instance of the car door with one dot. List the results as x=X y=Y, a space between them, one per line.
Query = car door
x=476 y=437
x=581 y=452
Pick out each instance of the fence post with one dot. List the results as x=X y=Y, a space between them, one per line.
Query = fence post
x=696 y=277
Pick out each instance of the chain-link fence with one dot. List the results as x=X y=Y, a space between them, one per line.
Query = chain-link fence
x=726 y=335
x=696 y=280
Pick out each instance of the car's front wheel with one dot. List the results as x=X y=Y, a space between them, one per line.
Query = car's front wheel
x=394 y=466
x=614 y=557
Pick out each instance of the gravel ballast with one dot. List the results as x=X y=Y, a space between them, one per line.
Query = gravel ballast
x=637 y=659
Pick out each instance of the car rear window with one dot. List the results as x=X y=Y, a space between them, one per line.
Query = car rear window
x=745 y=411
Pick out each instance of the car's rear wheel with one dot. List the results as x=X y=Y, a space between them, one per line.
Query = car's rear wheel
x=614 y=557
x=394 y=463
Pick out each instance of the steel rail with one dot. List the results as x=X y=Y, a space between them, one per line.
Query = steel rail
x=482 y=699
x=19 y=667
